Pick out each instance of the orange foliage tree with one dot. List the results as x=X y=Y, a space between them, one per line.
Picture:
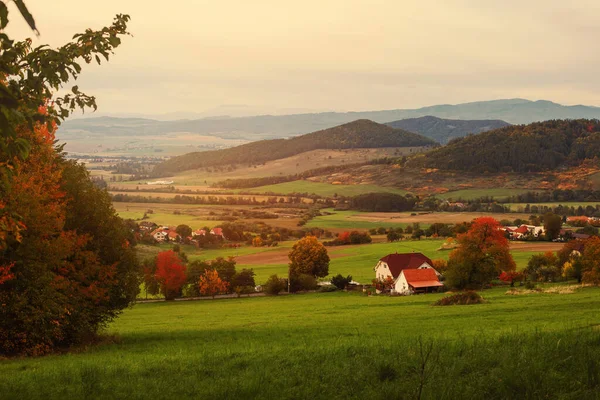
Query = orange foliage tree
x=309 y=256
x=482 y=254
x=590 y=261
x=170 y=274
x=211 y=284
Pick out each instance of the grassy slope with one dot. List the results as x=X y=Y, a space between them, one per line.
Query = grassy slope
x=332 y=345
x=469 y=194
x=323 y=189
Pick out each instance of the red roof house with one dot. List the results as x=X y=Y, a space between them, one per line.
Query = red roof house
x=393 y=264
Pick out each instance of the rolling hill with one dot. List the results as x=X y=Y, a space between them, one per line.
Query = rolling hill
x=353 y=135
x=444 y=130
x=541 y=146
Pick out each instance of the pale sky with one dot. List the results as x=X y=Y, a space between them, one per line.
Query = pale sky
x=279 y=56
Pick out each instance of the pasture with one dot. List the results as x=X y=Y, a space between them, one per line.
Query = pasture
x=331 y=345
x=324 y=189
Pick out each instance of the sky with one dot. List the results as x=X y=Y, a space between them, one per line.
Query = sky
x=279 y=56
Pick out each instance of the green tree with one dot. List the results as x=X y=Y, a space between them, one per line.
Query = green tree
x=184 y=231
x=552 y=225
x=309 y=256
x=340 y=282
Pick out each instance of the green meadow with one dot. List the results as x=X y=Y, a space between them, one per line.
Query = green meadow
x=331 y=345
x=324 y=189
x=347 y=220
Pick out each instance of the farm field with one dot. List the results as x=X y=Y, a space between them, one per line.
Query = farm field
x=324 y=189
x=470 y=194
x=331 y=345
x=367 y=220
x=163 y=195
x=355 y=260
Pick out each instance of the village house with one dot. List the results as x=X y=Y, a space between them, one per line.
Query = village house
x=522 y=231
x=404 y=269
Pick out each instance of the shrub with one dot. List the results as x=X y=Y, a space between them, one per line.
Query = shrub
x=302 y=282
x=340 y=282
x=462 y=298
x=274 y=285
x=327 y=288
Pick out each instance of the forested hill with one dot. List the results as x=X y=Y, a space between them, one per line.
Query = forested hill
x=358 y=134
x=520 y=148
x=444 y=130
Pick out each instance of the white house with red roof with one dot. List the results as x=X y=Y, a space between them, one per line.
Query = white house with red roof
x=394 y=266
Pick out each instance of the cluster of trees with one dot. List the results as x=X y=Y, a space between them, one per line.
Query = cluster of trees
x=67 y=263
x=347 y=237
x=382 y=202
x=538 y=146
x=578 y=259
x=357 y=134
x=171 y=275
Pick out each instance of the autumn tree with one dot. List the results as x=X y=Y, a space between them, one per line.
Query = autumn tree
x=243 y=281
x=552 y=225
x=309 y=256
x=569 y=259
x=211 y=284
x=590 y=261
x=511 y=277
x=170 y=274
x=482 y=254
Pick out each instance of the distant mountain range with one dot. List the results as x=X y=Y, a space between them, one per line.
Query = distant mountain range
x=444 y=130
x=514 y=111
x=353 y=135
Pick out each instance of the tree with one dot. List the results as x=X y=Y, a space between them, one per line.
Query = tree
x=590 y=261
x=170 y=274
x=552 y=225
x=65 y=274
x=569 y=258
x=393 y=236
x=225 y=268
x=243 y=281
x=511 y=277
x=340 y=282
x=211 y=284
x=274 y=285
x=543 y=267
x=309 y=256
x=257 y=242
x=482 y=254
x=184 y=231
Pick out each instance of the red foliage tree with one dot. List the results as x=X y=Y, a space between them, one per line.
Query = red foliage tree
x=211 y=284
x=170 y=273
x=511 y=277
x=482 y=253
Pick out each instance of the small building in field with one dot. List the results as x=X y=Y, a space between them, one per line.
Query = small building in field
x=393 y=265
x=217 y=232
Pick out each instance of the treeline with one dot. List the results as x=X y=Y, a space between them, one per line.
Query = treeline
x=212 y=200
x=357 y=134
x=538 y=146
x=556 y=196
x=382 y=202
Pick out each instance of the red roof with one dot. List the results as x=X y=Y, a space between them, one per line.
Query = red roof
x=217 y=231
x=419 y=278
x=522 y=229
x=398 y=262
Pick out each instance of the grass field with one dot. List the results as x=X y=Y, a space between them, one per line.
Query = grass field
x=324 y=189
x=332 y=345
x=470 y=194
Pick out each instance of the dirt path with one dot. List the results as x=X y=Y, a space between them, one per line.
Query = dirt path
x=535 y=246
